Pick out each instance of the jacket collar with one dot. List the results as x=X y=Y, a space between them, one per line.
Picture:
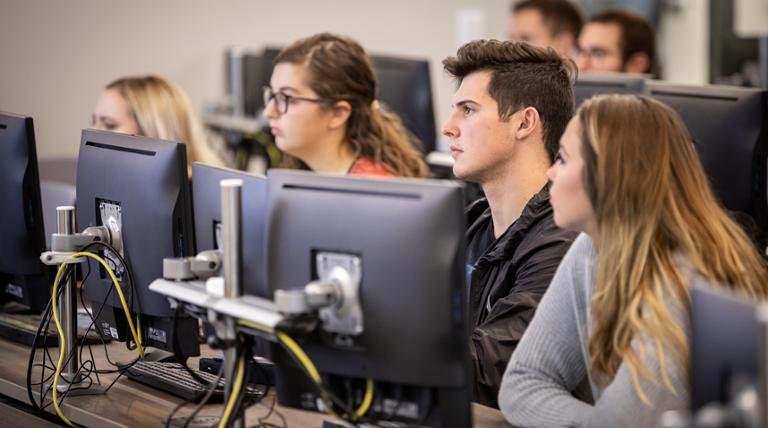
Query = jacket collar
x=479 y=213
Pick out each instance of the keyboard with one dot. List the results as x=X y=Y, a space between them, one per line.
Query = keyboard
x=263 y=375
x=174 y=379
x=22 y=328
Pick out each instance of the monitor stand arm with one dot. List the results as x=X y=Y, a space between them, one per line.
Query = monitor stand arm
x=64 y=245
x=209 y=286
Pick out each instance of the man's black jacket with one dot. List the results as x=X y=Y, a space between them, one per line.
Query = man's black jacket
x=507 y=283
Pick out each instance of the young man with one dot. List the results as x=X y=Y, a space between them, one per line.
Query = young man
x=552 y=23
x=617 y=41
x=513 y=103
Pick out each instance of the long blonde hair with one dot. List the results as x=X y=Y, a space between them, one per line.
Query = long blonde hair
x=653 y=204
x=162 y=110
x=339 y=69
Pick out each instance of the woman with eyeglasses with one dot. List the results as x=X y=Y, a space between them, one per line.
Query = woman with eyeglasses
x=617 y=311
x=323 y=113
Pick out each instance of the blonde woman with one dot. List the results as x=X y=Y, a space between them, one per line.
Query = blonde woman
x=616 y=313
x=154 y=107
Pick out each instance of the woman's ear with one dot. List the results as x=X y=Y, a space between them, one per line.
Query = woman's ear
x=340 y=113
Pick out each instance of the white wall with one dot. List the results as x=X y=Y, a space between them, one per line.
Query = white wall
x=684 y=36
x=55 y=56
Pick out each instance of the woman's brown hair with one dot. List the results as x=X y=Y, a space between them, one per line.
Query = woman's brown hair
x=339 y=70
x=656 y=214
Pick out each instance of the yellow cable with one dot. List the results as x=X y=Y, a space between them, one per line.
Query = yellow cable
x=315 y=375
x=62 y=339
x=301 y=356
x=255 y=326
x=234 y=393
x=136 y=334
x=63 y=346
x=367 y=399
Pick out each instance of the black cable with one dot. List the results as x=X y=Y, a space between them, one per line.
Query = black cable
x=208 y=394
x=245 y=350
x=93 y=321
x=87 y=367
x=271 y=407
x=205 y=399
x=426 y=406
x=84 y=340
x=127 y=269
x=31 y=363
x=264 y=376
x=131 y=287
x=177 y=347
x=347 y=412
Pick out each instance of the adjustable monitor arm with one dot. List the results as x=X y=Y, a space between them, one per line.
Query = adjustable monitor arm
x=64 y=245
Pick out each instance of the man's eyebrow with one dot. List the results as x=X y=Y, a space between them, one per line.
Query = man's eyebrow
x=464 y=102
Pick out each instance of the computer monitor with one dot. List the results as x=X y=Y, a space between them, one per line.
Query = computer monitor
x=255 y=70
x=23 y=277
x=590 y=84
x=405 y=88
x=729 y=129
x=724 y=345
x=407 y=239
x=141 y=185
x=206 y=191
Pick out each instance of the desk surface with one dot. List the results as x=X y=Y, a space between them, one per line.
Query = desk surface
x=131 y=404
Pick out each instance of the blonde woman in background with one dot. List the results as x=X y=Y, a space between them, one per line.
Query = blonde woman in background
x=617 y=311
x=152 y=106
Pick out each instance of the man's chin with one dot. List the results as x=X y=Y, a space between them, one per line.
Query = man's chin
x=464 y=175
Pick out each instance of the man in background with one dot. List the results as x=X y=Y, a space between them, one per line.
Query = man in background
x=546 y=23
x=617 y=40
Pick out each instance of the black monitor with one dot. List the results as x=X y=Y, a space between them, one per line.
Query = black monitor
x=405 y=88
x=729 y=128
x=23 y=277
x=140 y=184
x=408 y=239
x=590 y=84
x=208 y=232
x=724 y=345
x=256 y=69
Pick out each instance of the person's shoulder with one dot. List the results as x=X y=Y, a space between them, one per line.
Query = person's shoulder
x=583 y=246
x=544 y=235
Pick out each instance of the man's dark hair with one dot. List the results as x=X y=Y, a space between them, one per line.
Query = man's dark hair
x=522 y=75
x=637 y=35
x=559 y=15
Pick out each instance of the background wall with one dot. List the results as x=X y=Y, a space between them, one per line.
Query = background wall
x=55 y=57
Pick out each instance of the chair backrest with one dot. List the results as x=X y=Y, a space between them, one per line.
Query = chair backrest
x=54 y=194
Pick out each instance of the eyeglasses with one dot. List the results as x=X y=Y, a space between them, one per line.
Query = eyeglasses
x=283 y=100
x=597 y=54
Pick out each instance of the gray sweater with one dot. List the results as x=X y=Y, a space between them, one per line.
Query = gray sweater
x=553 y=357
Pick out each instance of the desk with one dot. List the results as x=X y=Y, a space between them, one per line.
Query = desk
x=130 y=404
